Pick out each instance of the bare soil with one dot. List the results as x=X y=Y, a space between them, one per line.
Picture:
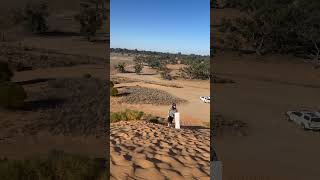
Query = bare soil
x=52 y=68
x=266 y=87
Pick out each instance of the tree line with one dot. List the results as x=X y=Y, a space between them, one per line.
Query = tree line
x=34 y=16
x=274 y=26
x=196 y=68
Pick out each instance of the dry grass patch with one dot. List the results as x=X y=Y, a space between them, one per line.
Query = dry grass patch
x=57 y=165
x=143 y=95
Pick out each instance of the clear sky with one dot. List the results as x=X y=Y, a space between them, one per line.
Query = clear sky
x=161 y=25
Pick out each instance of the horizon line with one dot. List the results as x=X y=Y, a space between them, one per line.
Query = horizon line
x=161 y=51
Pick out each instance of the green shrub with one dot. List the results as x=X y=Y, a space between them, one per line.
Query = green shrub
x=87 y=75
x=5 y=72
x=12 y=95
x=155 y=64
x=154 y=120
x=35 y=16
x=121 y=67
x=138 y=68
x=165 y=73
x=196 y=70
x=90 y=21
x=111 y=84
x=113 y=91
x=126 y=115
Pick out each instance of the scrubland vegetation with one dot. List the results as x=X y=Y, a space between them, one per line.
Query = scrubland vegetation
x=198 y=67
x=284 y=27
x=12 y=95
x=34 y=16
x=56 y=165
x=133 y=115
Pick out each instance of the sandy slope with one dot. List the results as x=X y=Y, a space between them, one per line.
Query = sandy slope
x=141 y=150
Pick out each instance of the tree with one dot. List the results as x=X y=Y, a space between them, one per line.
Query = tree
x=309 y=29
x=90 y=17
x=273 y=26
x=138 y=66
x=196 y=70
x=121 y=67
x=35 y=17
x=164 y=70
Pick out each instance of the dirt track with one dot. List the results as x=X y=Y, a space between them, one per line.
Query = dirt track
x=195 y=112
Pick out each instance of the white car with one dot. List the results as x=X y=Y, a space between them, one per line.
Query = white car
x=205 y=99
x=305 y=119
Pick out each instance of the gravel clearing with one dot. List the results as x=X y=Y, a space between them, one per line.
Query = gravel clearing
x=143 y=95
x=72 y=106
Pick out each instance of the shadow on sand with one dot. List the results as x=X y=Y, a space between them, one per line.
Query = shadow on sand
x=194 y=127
x=34 y=81
x=43 y=104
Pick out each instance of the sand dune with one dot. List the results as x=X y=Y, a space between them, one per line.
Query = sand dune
x=141 y=150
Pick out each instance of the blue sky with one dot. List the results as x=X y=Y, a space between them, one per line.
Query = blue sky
x=161 y=25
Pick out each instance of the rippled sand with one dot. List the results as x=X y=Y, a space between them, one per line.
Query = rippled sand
x=141 y=150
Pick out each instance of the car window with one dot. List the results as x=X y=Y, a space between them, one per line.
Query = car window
x=297 y=113
x=306 y=117
x=315 y=119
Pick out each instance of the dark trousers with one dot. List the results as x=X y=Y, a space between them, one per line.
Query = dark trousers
x=170 y=119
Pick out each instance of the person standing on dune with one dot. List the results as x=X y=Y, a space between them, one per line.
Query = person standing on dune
x=173 y=109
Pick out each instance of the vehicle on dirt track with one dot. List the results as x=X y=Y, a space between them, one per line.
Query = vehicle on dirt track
x=305 y=119
x=205 y=99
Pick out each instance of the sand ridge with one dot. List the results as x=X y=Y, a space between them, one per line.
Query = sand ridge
x=142 y=150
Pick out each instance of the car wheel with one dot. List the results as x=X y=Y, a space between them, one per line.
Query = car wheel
x=288 y=118
x=303 y=126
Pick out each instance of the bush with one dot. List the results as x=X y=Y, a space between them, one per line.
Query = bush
x=90 y=21
x=35 y=16
x=57 y=165
x=121 y=67
x=12 y=95
x=113 y=91
x=166 y=75
x=138 y=66
x=87 y=75
x=164 y=71
x=5 y=72
x=153 y=62
x=126 y=115
x=196 y=70
x=111 y=84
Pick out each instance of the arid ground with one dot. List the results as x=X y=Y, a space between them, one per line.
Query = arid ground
x=142 y=149
x=53 y=67
x=265 y=88
x=268 y=147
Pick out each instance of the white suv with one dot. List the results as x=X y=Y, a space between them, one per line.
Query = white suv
x=205 y=99
x=306 y=119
